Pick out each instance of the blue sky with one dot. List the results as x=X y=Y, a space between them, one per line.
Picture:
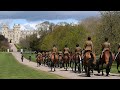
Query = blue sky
x=28 y=19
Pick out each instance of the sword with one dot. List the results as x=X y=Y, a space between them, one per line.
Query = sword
x=116 y=55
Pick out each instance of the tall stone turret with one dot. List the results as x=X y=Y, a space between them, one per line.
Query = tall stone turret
x=16 y=30
x=5 y=30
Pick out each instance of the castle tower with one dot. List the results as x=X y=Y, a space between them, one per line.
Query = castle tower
x=5 y=31
x=17 y=32
x=16 y=27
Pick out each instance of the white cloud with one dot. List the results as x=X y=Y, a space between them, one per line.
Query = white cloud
x=28 y=26
x=22 y=27
x=32 y=25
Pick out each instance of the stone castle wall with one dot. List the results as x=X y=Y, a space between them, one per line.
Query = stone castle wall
x=14 y=35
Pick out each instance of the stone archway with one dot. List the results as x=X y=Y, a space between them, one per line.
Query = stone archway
x=10 y=40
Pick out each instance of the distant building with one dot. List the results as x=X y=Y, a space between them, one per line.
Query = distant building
x=14 y=35
x=43 y=26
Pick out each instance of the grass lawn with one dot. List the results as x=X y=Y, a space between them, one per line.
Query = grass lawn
x=11 y=69
x=114 y=68
x=18 y=46
x=26 y=55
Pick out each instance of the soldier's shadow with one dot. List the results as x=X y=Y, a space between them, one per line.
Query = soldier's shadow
x=64 y=70
x=82 y=75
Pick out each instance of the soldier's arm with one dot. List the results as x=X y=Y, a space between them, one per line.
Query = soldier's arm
x=80 y=48
x=75 y=50
x=64 y=50
x=56 y=50
x=52 y=49
x=68 y=50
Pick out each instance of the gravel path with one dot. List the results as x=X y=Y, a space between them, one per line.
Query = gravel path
x=60 y=71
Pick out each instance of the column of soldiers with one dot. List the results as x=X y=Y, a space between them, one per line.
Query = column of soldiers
x=87 y=47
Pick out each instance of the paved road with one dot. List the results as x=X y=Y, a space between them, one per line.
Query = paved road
x=60 y=71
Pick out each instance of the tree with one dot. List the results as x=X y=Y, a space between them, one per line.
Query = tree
x=110 y=27
x=3 y=43
x=25 y=43
x=61 y=35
